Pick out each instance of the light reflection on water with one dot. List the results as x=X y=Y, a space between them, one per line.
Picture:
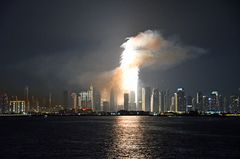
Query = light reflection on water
x=128 y=138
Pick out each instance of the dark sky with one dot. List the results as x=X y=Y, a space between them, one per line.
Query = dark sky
x=48 y=45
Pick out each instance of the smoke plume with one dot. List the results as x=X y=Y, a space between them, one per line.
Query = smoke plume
x=147 y=49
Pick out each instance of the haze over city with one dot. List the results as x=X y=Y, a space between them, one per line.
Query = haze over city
x=119 y=79
x=54 y=46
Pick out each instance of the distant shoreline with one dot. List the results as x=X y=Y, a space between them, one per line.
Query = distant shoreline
x=79 y=115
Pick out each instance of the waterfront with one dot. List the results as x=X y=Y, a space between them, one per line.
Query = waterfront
x=119 y=137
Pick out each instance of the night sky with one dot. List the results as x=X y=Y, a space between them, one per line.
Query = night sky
x=50 y=45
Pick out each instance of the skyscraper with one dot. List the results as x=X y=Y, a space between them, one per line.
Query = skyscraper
x=74 y=101
x=132 y=103
x=199 y=102
x=214 y=101
x=66 y=100
x=180 y=100
x=139 y=97
x=189 y=104
x=146 y=99
x=113 y=101
x=26 y=98
x=167 y=101
x=155 y=101
x=234 y=104
x=50 y=101
x=205 y=103
x=96 y=100
x=162 y=101
x=126 y=101
x=106 y=106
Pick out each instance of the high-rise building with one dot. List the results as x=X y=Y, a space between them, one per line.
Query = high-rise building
x=155 y=101
x=226 y=105
x=214 y=101
x=234 y=104
x=113 y=101
x=167 y=101
x=205 y=103
x=146 y=98
x=85 y=99
x=162 y=96
x=74 y=101
x=126 y=101
x=180 y=101
x=26 y=98
x=106 y=106
x=132 y=102
x=17 y=106
x=91 y=94
x=189 y=104
x=4 y=103
x=173 y=105
x=50 y=101
x=66 y=104
x=139 y=97
x=199 y=102
x=97 y=100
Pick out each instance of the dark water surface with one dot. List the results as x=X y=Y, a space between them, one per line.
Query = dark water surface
x=119 y=137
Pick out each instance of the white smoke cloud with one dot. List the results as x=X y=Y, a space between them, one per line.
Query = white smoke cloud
x=147 y=49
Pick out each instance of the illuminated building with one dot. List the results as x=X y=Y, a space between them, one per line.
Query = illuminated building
x=85 y=99
x=50 y=101
x=3 y=103
x=155 y=101
x=17 y=107
x=132 y=103
x=74 y=101
x=205 y=103
x=234 y=104
x=96 y=100
x=26 y=98
x=199 y=102
x=126 y=101
x=180 y=102
x=214 y=101
x=189 y=104
x=113 y=101
x=146 y=99
x=167 y=101
x=173 y=105
x=139 y=97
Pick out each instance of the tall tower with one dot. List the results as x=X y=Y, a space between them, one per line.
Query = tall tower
x=50 y=101
x=126 y=101
x=155 y=101
x=214 y=101
x=132 y=103
x=199 y=101
x=162 y=101
x=74 y=101
x=66 y=100
x=146 y=99
x=91 y=96
x=180 y=100
x=113 y=101
x=97 y=100
x=26 y=98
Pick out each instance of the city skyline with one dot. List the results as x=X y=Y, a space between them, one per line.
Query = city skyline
x=119 y=79
x=150 y=100
x=50 y=47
